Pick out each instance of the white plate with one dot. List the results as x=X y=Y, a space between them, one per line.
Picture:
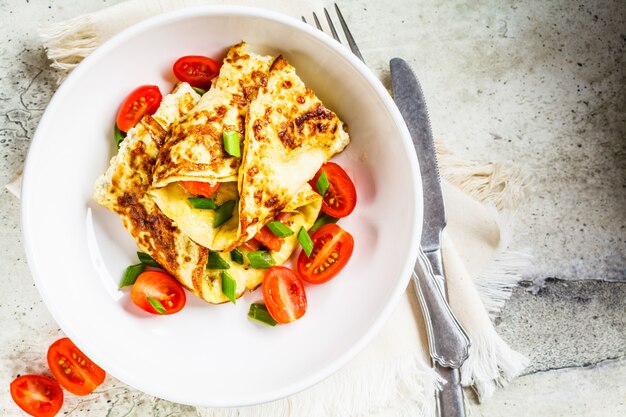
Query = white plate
x=214 y=355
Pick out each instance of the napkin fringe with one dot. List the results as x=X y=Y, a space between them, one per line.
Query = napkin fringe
x=491 y=364
x=504 y=186
x=68 y=42
x=505 y=270
x=401 y=387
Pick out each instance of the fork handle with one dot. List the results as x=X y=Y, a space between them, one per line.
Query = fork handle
x=450 y=398
x=447 y=341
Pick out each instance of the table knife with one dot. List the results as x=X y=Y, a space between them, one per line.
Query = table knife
x=448 y=342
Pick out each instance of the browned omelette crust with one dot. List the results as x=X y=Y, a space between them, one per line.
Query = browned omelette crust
x=194 y=147
x=124 y=191
x=286 y=124
x=154 y=232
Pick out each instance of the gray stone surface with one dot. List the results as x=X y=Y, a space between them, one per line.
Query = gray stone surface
x=540 y=85
x=594 y=391
x=566 y=323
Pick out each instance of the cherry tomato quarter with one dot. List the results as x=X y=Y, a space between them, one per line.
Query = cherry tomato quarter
x=197 y=70
x=74 y=371
x=332 y=248
x=203 y=189
x=160 y=288
x=37 y=395
x=141 y=101
x=284 y=294
x=340 y=198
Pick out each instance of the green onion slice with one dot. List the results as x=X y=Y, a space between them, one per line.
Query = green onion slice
x=231 y=142
x=305 y=241
x=202 y=203
x=223 y=213
x=259 y=312
x=199 y=90
x=279 y=229
x=323 y=220
x=131 y=274
x=229 y=286
x=216 y=261
x=147 y=260
x=322 y=183
x=236 y=256
x=157 y=305
x=261 y=259
x=119 y=136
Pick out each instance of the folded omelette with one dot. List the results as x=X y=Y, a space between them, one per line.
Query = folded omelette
x=287 y=135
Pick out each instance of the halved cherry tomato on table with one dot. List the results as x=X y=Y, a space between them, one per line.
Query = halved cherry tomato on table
x=74 y=371
x=37 y=395
x=340 y=198
x=204 y=189
x=143 y=100
x=332 y=248
x=158 y=293
x=197 y=70
x=284 y=294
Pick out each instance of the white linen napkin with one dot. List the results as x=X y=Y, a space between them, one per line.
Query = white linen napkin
x=393 y=375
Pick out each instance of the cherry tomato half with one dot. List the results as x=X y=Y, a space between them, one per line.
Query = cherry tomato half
x=340 y=199
x=38 y=395
x=74 y=371
x=197 y=70
x=284 y=294
x=204 y=189
x=143 y=100
x=160 y=288
x=332 y=248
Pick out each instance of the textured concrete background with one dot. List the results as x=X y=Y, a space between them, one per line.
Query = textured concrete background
x=537 y=85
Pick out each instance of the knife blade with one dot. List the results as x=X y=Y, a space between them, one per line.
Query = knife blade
x=448 y=342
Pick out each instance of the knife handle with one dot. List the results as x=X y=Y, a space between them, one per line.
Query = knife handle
x=447 y=341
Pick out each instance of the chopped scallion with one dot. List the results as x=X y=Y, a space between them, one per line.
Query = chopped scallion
x=147 y=260
x=261 y=259
x=305 y=241
x=279 y=229
x=322 y=183
x=223 y=213
x=202 y=203
x=131 y=274
x=229 y=286
x=323 y=220
x=231 y=142
x=236 y=256
x=216 y=261
x=119 y=136
x=259 y=312
x=156 y=304
x=199 y=90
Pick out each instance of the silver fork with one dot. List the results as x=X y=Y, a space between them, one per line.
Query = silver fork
x=333 y=31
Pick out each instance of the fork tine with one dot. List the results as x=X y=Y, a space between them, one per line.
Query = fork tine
x=331 y=25
x=317 y=22
x=346 y=31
